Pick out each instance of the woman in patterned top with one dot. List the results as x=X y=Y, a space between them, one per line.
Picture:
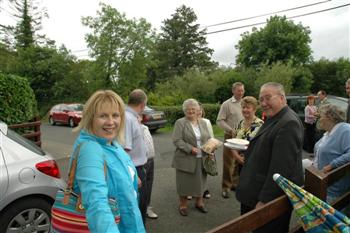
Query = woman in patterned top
x=249 y=126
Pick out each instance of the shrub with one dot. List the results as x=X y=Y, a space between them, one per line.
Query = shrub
x=172 y=113
x=17 y=100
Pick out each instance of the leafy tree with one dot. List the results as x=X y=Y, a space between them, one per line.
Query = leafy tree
x=29 y=17
x=330 y=75
x=116 y=40
x=43 y=67
x=182 y=45
x=279 y=72
x=279 y=41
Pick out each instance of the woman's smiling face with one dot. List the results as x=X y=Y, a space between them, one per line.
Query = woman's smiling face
x=106 y=121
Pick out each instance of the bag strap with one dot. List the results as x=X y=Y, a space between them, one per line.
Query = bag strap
x=71 y=176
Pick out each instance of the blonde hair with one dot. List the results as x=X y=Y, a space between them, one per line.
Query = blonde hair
x=250 y=100
x=94 y=104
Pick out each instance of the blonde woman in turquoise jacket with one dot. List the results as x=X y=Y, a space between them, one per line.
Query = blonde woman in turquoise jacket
x=101 y=131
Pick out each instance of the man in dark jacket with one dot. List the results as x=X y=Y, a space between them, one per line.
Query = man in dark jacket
x=276 y=148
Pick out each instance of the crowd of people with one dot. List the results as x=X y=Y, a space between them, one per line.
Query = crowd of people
x=116 y=156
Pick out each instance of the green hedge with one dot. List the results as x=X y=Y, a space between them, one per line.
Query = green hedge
x=172 y=113
x=17 y=100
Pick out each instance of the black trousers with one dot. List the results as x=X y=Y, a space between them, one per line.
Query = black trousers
x=278 y=225
x=309 y=137
x=141 y=172
x=149 y=179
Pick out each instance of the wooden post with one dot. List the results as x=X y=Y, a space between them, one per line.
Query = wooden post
x=316 y=182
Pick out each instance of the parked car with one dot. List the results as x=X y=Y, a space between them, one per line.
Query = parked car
x=68 y=114
x=29 y=180
x=298 y=103
x=153 y=119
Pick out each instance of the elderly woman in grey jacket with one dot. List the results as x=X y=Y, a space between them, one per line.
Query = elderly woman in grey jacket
x=189 y=134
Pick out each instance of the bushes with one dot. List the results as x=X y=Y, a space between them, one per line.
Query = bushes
x=172 y=113
x=17 y=100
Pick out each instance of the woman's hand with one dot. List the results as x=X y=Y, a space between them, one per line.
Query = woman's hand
x=194 y=150
x=238 y=157
x=327 y=168
x=139 y=182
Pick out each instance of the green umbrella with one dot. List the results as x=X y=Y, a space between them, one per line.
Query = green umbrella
x=315 y=214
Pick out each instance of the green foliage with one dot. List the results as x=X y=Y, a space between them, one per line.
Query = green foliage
x=17 y=100
x=278 y=72
x=173 y=113
x=182 y=45
x=330 y=76
x=116 y=41
x=7 y=58
x=43 y=66
x=28 y=17
x=279 y=41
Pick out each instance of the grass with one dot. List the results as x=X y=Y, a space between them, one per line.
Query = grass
x=218 y=132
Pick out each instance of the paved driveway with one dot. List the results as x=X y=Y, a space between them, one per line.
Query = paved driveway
x=58 y=141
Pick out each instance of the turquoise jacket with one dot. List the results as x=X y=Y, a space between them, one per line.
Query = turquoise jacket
x=119 y=183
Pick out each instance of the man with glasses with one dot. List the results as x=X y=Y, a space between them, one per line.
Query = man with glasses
x=276 y=148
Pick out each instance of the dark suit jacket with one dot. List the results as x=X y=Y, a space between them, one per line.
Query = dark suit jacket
x=184 y=139
x=276 y=148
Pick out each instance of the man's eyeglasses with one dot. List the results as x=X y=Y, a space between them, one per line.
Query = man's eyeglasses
x=267 y=98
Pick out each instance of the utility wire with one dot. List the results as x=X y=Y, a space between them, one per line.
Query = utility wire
x=292 y=17
x=257 y=16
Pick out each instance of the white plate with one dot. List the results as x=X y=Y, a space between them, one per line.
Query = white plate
x=235 y=146
x=238 y=141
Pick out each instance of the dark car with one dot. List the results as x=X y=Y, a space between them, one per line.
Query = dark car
x=68 y=114
x=298 y=103
x=153 y=119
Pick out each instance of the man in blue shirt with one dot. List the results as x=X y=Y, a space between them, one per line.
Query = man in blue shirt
x=134 y=142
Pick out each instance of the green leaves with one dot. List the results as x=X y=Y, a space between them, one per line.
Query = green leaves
x=281 y=40
x=17 y=100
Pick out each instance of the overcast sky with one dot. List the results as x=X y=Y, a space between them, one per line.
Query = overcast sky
x=330 y=30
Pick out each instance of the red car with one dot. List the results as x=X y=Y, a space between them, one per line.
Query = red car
x=69 y=114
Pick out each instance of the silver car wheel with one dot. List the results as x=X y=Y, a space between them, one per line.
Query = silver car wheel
x=71 y=122
x=30 y=220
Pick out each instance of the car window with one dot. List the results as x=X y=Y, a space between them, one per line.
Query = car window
x=24 y=142
x=148 y=108
x=76 y=107
x=297 y=104
x=342 y=104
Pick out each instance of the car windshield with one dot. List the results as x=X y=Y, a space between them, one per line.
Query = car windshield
x=24 y=142
x=148 y=108
x=75 y=107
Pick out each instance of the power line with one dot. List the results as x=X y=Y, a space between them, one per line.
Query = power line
x=257 y=16
x=292 y=17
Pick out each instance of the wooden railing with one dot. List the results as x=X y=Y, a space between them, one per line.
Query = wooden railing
x=31 y=130
x=316 y=182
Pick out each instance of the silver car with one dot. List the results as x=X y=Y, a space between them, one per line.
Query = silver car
x=29 y=180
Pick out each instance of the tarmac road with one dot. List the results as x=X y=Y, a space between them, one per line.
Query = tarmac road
x=58 y=140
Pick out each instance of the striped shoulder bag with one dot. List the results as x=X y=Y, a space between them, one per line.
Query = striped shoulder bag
x=68 y=213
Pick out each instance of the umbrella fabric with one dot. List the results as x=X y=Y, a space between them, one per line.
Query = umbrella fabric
x=316 y=215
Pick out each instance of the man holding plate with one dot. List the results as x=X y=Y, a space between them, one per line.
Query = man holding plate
x=276 y=148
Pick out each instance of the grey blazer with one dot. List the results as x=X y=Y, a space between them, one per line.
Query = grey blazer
x=276 y=148
x=184 y=139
